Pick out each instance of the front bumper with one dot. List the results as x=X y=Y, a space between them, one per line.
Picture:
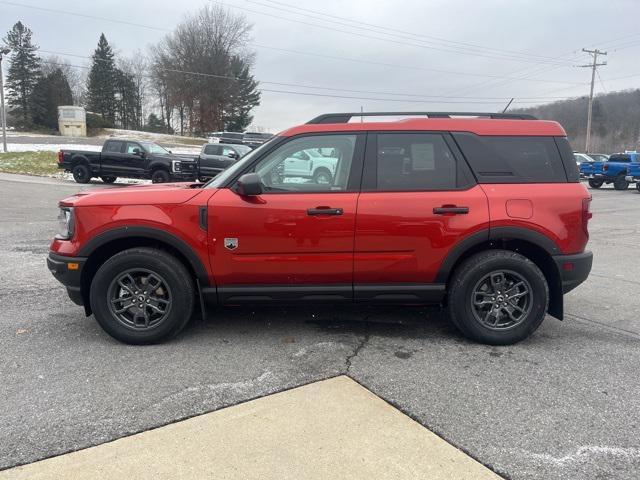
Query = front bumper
x=574 y=269
x=68 y=271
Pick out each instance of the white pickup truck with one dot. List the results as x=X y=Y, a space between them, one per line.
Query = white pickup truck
x=311 y=164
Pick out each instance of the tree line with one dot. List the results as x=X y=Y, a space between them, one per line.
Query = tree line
x=197 y=79
x=615 y=120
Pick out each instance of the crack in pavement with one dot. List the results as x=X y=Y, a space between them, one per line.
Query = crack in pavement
x=356 y=351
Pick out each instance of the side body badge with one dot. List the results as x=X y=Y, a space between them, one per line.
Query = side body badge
x=230 y=243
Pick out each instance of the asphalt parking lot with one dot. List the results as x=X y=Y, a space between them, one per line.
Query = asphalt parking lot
x=565 y=404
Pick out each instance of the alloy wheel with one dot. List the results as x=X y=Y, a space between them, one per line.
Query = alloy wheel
x=139 y=299
x=501 y=300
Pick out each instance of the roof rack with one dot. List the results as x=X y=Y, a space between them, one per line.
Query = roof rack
x=345 y=117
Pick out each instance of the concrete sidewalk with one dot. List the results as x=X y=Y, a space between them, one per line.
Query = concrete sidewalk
x=333 y=429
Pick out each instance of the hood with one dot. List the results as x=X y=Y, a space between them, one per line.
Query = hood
x=153 y=194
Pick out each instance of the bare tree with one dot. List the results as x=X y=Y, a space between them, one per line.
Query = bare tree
x=194 y=71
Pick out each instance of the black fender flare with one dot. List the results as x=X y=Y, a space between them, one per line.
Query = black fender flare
x=150 y=233
x=157 y=165
x=493 y=234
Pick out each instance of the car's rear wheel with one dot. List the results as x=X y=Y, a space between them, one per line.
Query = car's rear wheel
x=620 y=183
x=593 y=183
x=142 y=296
x=108 y=178
x=160 y=176
x=497 y=297
x=81 y=173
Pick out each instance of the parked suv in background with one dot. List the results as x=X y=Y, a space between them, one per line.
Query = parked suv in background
x=483 y=214
x=215 y=157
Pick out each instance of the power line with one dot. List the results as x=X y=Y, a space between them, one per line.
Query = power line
x=313 y=94
x=314 y=87
x=403 y=34
x=297 y=52
x=475 y=54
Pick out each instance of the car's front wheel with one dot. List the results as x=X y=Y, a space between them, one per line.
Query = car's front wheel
x=638 y=186
x=160 y=176
x=142 y=296
x=497 y=297
x=322 y=176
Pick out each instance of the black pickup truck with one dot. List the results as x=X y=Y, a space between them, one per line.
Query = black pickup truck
x=129 y=159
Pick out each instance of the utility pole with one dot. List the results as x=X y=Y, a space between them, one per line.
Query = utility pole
x=3 y=111
x=592 y=66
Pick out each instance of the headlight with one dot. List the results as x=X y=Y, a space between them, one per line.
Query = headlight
x=176 y=166
x=66 y=223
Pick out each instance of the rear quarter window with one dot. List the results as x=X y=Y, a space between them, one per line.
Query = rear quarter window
x=211 y=150
x=113 y=146
x=514 y=159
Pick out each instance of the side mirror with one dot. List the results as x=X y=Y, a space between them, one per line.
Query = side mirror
x=137 y=151
x=249 y=185
x=232 y=155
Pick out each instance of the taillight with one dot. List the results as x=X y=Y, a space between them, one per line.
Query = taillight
x=605 y=167
x=586 y=214
x=60 y=156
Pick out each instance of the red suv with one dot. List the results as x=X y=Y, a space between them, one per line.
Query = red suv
x=482 y=213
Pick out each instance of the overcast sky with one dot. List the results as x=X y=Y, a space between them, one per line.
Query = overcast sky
x=420 y=42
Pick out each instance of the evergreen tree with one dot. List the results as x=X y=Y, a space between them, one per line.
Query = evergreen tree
x=101 y=88
x=51 y=91
x=23 y=73
x=128 y=101
x=243 y=98
x=155 y=124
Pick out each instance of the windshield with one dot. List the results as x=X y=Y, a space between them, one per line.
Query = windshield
x=242 y=149
x=154 y=148
x=223 y=177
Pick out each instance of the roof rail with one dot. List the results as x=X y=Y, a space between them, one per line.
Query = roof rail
x=345 y=117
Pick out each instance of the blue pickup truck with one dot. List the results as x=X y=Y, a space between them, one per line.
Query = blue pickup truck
x=614 y=170
x=633 y=174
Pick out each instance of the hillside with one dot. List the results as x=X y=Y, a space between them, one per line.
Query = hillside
x=616 y=120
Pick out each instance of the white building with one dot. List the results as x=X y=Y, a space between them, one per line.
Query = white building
x=72 y=121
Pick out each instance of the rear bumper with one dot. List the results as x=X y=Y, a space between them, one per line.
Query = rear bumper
x=574 y=269
x=632 y=179
x=64 y=270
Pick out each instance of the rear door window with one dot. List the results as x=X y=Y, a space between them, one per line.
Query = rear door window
x=512 y=159
x=113 y=147
x=212 y=150
x=620 y=158
x=414 y=162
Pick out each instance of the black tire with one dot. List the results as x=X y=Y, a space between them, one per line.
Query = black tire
x=176 y=289
x=322 y=176
x=593 y=183
x=463 y=293
x=620 y=183
x=638 y=186
x=204 y=179
x=160 y=176
x=81 y=173
x=108 y=178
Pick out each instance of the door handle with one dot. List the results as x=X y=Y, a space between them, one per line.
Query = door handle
x=325 y=211
x=450 y=210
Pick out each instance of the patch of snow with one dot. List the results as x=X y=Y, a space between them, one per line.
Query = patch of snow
x=54 y=147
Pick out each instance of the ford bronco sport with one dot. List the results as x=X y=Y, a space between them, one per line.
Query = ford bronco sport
x=481 y=213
